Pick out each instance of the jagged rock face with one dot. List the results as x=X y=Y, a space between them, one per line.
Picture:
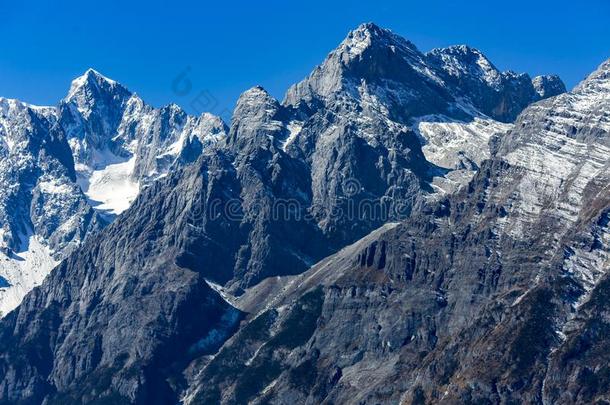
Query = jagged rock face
x=352 y=120
x=91 y=114
x=500 y=95
x=286 y=203
x=120 y=144
x=496 y=294
x=345 y=133
x=376 y=64
x=378 y=88
x=548 y=86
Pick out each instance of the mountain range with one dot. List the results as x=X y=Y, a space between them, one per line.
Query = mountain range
x=404 y=227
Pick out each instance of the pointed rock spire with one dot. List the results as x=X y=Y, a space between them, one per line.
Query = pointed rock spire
x=94 y=82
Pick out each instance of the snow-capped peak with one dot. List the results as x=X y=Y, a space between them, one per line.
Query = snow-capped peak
x=17 y=122
x=14 y=102
x=6 y=103
x=92 y=79
x=9 y=103
x=359 y=39
x=368 y=52
x=255 y=98
x=369 y=35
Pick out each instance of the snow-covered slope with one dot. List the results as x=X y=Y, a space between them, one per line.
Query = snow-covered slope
x=454 y=144
x=112 y=188
x=23 y=271
x=457 y=146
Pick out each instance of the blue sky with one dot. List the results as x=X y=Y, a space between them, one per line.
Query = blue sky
x=225 y=47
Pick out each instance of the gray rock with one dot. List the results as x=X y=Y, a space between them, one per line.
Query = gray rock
x=548 y=86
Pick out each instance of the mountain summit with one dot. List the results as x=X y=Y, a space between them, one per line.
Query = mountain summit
x=93 y=84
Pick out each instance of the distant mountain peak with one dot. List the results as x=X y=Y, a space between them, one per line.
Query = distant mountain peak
x=370 y=26
x=458 y=60
x=11 y=103
x=256 y=95
x=374 y=31
x=256 y=89
x=95 y=82
x=548 y=85
x=370 y=30
x=92 y=73
x=369 y=35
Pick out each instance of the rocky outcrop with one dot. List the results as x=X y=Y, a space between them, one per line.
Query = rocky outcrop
x=548 y=86
x=499 y=95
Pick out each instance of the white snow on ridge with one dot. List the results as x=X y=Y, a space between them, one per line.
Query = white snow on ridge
x=357 y=43
x=454 y=62
x=54 y=187
x=220 y=290
x=457 y=146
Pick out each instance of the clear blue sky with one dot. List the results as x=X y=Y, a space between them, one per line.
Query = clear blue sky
x=230 y=46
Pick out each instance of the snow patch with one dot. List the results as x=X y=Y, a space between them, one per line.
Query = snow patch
x=294 y=128
x=220 y=290
x=112 y=188
x=23 y=271
x=54 y=187
x=448 y=142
